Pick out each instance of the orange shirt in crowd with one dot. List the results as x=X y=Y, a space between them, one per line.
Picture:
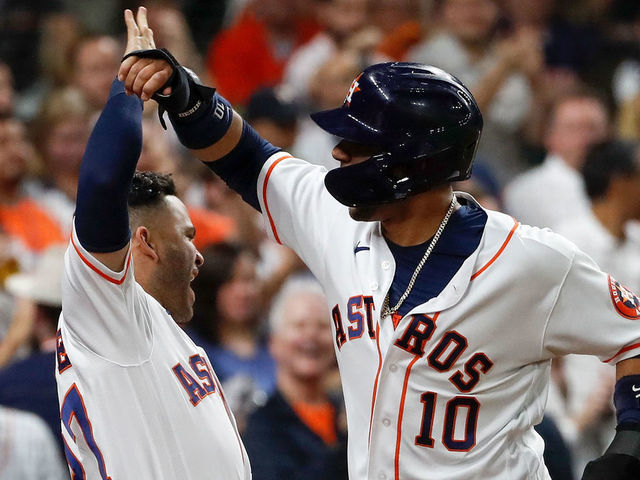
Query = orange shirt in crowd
x=241 y=59
x=396 y=44
x=28 y=222
x=321 y=420
x=210 y=227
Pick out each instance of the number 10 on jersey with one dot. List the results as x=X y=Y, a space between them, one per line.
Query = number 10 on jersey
x=452 y=440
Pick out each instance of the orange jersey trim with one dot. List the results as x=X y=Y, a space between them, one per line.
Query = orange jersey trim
x=98 y=271
x=498 y=253
x=401 y=410
x=622 y=350
x=396 y=461
x=264 y=197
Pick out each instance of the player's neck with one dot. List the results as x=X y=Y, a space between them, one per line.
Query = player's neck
x=417 y=219
x=296 y=390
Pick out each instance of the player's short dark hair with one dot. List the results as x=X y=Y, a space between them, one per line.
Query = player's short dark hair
x=149 y=188
x=605 y=161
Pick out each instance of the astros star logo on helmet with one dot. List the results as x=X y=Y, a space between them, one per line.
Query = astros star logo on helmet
x=352 y=89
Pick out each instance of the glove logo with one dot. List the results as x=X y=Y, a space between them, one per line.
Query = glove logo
x=355 y=87
x=624 y=300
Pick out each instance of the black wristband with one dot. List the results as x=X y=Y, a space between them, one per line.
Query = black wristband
x=188 y=97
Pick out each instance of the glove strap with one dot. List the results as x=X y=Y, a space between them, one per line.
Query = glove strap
x=188 y=98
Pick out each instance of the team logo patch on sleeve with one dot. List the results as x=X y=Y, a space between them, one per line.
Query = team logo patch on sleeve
x=624 y=300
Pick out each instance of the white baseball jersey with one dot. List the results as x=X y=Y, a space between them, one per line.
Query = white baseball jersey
x=138 y=399
x=453 y=391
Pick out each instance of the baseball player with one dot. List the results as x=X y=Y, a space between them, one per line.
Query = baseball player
x=445 y=316
x=138 y=399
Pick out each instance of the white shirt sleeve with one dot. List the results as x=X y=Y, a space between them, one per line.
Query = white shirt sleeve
x=593 y=315
x=104 y=311
x=298 y=210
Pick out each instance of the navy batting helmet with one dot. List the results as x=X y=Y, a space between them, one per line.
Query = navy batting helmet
x=425 y=121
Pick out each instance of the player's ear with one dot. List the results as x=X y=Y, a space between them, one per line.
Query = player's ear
x=142 y=242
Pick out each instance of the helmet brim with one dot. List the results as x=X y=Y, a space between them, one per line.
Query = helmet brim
x=340 y=123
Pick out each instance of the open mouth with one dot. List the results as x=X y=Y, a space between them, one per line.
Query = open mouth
x=310 y=350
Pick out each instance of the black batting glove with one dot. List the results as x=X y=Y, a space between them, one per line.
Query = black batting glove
x=621 y=461
x=188 y=97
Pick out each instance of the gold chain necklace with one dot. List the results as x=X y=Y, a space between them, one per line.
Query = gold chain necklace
x=386 y=310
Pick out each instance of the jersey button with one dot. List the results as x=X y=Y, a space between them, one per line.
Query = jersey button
x=382 y=476
x=386 y=265
x=386 y=422
x=393 y=367
x=374 y=285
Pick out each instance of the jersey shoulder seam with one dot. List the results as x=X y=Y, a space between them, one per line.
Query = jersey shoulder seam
x=555 y=302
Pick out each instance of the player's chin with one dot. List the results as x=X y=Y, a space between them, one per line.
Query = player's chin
x=363 y=214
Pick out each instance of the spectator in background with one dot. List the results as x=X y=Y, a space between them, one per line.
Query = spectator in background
x=502 y=73
x=7 y=94
x=58 y=34
x=27 y=224
x=580 y=398
x=274 y=115
x=29 y=383
x=227 y=325
x=400 y=27
x=557 y=456
x=326 y=91
x=8 y=266
x=21 y=25
x=61 y=131
x=628 y=118
x=554 y=191
x=252 y=52
x=172 y=32
x=569 y=47
x=29 y=450
x=159 y=155
x=611 y=174
x=209 y=192
x=298 y=433
x=344 y=28
x=93 y=60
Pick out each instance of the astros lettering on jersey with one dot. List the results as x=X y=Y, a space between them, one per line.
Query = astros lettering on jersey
x=453 y=389
x=138 y=399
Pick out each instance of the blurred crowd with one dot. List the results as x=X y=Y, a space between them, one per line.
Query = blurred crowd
x=558 y=82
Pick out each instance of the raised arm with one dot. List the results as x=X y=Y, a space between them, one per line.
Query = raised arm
x=146 y=77
x=108 y=165
x=203 y=120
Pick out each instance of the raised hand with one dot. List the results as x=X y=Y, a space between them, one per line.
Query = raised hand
x=142 y=76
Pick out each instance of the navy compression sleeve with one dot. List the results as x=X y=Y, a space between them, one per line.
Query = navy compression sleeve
x=108 y=165
x=241 y=166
